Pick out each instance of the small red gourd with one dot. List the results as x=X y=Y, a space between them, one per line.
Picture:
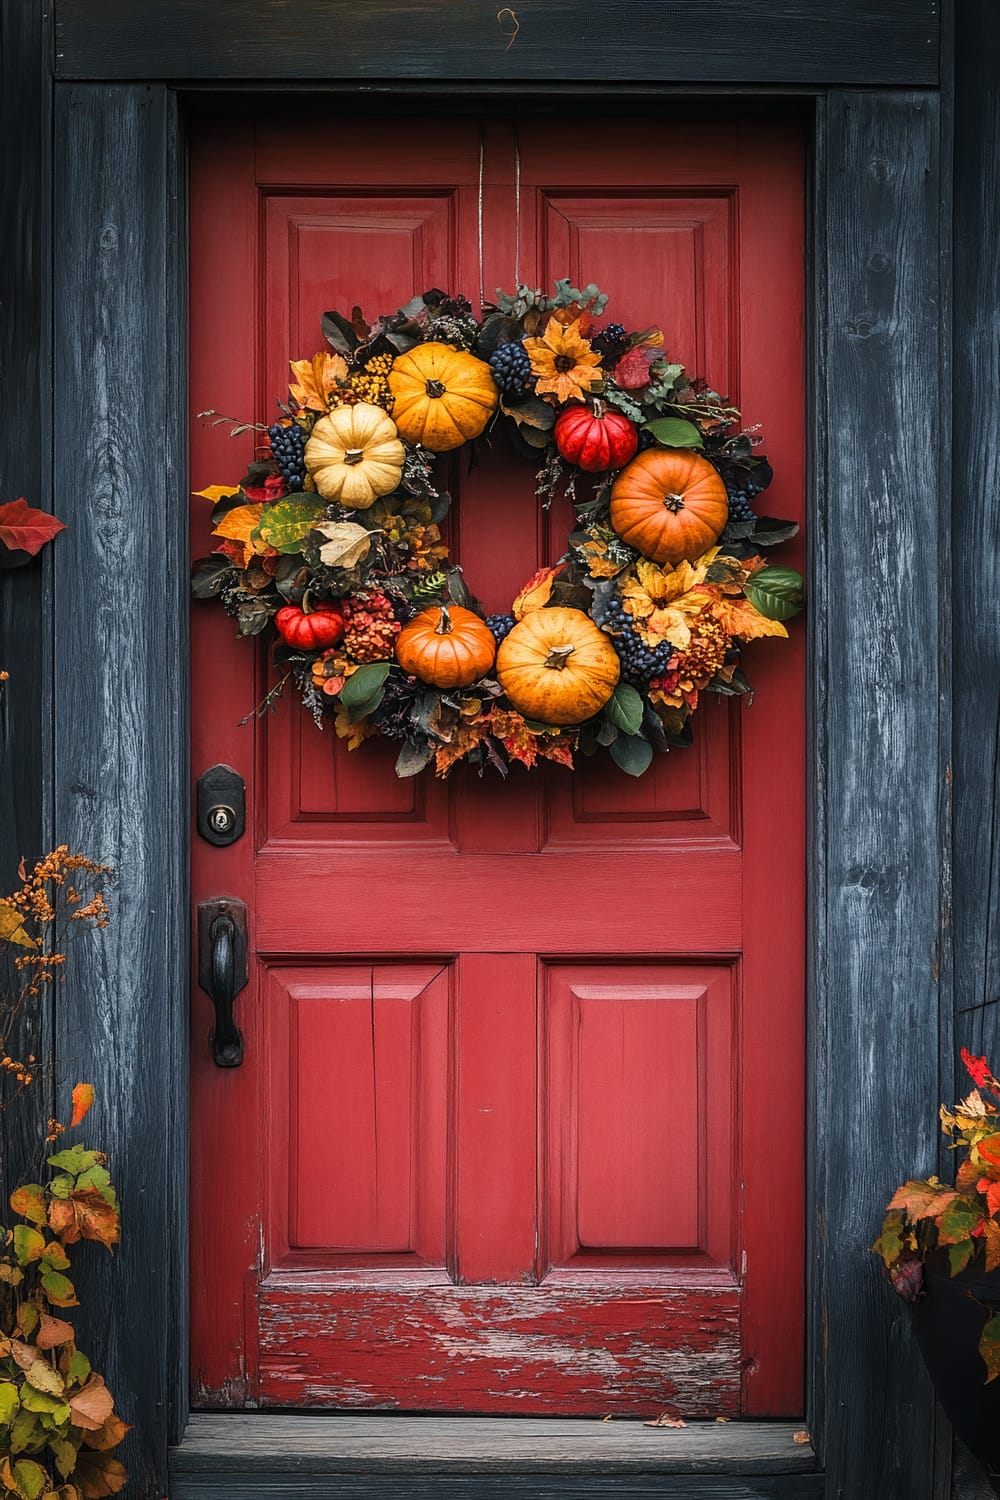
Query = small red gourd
x=310 y=630
x=594 y=438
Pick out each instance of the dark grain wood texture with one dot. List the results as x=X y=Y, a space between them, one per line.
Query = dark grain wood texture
x=882 y=725
x=274 y=1483
x=120 y=726
x=759 y=41
x=25 y=103
x=977 y=529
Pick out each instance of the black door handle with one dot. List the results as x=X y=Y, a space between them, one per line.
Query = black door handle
x=222 y=971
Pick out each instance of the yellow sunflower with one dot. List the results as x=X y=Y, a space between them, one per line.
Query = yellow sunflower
x=566 y=366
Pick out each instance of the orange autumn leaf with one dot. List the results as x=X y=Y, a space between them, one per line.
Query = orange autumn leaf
x=83 y=1098
x=29 y=1202
x=85 y=1214
x=316 y=379
x=108 y=1436
x=989 y=1149
x=991 y=1238
x=739 y=618
x=98 y=1475
x=237 y=526
x=536 y=592
x=92 y=1404
x=53 y=1331
x=992 y=1191
x=923 y=1199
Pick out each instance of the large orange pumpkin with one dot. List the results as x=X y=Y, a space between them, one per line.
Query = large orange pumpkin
x=443 y=396
x=557 y=666
x=446 y=646
x=669 y=504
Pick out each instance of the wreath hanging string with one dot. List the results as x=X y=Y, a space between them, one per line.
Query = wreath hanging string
x=333 y=535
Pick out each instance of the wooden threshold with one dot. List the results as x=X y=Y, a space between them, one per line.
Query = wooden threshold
x=290 y=1457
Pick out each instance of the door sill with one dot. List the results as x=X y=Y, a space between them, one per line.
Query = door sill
x=287 y=1456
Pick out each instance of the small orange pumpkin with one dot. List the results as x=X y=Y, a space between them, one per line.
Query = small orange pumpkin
x=443 y=396
x=446 y=646
x=557 y=666
x=669 y=504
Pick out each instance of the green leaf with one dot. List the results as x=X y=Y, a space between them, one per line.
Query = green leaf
x=59 y=1289
x=28 y=1244
x=99 y=1178
x=24 y=1432
x=286 y=524
x=989 y=1347
x=958 y=1221
x=674 y=432
x=65 y=1455
x=364 y=683
x=364 y=710
x=75 y=1160
x=42 y=1403
x=62 y=1185
x=412 y=759
x=959 y=1255
x=10 y=1402
x=30 y=1478
x=776 y=593
x=79 y=1368
x=632 y=753
x=55 y=1257
x=626 y=708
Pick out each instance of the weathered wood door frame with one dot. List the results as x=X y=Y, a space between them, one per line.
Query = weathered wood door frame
x=879 y=622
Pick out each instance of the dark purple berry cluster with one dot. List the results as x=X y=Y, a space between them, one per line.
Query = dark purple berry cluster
x=511 y=367
x=640 y=663
x=500 y=625
x=288 y=444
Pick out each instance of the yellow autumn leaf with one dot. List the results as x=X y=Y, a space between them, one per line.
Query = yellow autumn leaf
x=12 y=929
x=991 y=1235
x=316 y=379
x=536 y=592
x=217 y=492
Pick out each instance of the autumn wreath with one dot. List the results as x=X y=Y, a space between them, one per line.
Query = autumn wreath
x=334 y=535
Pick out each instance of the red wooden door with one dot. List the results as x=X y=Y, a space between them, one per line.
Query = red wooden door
x=520 y=1123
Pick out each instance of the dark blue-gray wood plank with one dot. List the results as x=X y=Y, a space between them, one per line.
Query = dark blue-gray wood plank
x=25 y=592
x=854 y=42
x=879 y=607
x=274 y=1483
x=25 y=386
x=977 y=529
x=120 y=716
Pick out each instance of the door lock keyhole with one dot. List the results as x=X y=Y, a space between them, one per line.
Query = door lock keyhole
x=221 y=805
x=222 y=820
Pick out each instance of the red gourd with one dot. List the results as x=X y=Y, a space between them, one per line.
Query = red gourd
x=310 y=630
x=594 y=438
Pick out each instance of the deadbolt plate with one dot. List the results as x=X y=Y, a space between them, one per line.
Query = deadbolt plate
x=221 y=805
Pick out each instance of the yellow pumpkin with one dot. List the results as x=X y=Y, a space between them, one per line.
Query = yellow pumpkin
x=354 y=455
x=557 y=666
x=447 y=646
x=443 y=396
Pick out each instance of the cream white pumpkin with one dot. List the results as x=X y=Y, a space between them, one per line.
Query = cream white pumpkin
x=355 y=456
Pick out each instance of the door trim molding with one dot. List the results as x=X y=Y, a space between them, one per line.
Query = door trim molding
x=879 y=862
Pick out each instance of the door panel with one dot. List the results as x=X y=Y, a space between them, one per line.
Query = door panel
x=519 y=1124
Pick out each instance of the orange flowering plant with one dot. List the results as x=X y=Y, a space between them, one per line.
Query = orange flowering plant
x=58 y=1426
x=927 y=1218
